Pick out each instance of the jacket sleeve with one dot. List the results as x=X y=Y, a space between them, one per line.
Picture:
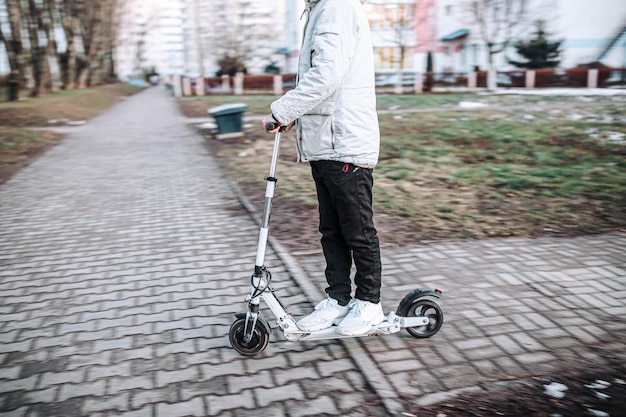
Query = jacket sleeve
x=333 y=43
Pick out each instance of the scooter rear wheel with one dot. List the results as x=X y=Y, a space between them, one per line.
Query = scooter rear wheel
x=256 y=345
x=425 y=308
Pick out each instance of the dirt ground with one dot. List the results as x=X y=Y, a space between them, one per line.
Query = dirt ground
x=588 y=392
x=295 y=224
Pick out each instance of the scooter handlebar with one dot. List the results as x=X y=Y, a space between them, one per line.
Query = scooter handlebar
x=271 y=126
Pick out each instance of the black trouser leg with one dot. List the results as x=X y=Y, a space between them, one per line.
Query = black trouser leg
x=346 y=223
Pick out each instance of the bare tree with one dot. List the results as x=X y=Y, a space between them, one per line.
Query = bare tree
x=50 y=22
x=70 y=21
x=499 y=24
x=91 y=26
x=29 y=37
x=110 y=26
x=98 y=31
x=403 y=28
x=236 y=41
x=14 y=45
x=41 y=73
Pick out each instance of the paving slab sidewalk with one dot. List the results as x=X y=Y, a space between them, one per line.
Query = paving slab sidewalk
x=124 y=252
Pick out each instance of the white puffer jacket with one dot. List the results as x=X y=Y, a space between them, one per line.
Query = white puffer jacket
x=334 y=101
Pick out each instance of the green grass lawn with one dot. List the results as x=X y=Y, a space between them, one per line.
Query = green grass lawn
x=522 y=166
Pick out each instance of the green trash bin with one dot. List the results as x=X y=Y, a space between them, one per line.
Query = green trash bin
x=229 y=119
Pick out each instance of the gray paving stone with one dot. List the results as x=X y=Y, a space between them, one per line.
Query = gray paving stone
x=143 y=399
x=194 y=407
x=25 y=384
x=118 y=403
x=266 y=396
x=321 y=405
x=406 y=384
x=330 y=368
x=20 y=412
x=242 y=400
x=120 y=384
x=82 y=389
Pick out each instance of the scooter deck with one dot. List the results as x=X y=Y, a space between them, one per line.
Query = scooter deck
x=391 y=324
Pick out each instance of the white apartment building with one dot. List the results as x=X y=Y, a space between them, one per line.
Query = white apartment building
x=189 y=37
x=587 y=28
x=150 y=38
x=393 y=26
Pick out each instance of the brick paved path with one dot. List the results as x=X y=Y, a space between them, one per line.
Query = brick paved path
x=124 y=253
x=514 y=308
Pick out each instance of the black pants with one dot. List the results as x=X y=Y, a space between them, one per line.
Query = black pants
x=344 y=193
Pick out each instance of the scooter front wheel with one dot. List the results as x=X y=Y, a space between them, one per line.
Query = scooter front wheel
x=258 y=342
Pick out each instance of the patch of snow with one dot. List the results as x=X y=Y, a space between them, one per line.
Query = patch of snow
x=598 y=384
x=471 y=105
x=597 y=413
x=602 y=396
x=208 y=125
x=555 y=389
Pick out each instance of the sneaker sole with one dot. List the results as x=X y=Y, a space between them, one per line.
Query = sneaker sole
x=335 y=322
x=363 y=330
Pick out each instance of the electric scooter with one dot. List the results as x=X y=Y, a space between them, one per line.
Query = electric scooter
x=418 y=312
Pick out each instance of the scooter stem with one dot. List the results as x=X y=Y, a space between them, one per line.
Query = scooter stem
x=267 y=207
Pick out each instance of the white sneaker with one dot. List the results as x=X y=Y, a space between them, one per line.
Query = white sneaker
x=326 y=313
x=362 y=316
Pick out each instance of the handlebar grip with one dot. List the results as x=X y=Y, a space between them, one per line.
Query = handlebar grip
x=271 y=126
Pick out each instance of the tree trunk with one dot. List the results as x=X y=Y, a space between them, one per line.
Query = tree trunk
x=492 y=74
x=37 y=52
x=70 y=28
x=52 y=53
x=92 y=39
x=14 y=46
x=428 y=85
x=103 y=72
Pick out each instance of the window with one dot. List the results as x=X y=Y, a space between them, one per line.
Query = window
x=390 y=15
